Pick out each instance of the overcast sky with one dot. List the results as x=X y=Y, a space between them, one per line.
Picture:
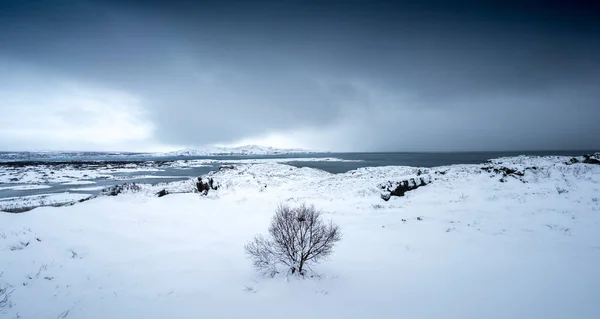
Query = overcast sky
x=337 y=75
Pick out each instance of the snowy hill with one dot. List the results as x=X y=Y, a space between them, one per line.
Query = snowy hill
x=515 y=237
x=239 y=150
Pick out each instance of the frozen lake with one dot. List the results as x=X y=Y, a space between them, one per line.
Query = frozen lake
x=30 y=173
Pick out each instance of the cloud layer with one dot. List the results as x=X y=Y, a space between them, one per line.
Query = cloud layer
x=354 y=75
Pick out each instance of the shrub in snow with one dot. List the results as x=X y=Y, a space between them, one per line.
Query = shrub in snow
x=298 y=237
x=5 y=292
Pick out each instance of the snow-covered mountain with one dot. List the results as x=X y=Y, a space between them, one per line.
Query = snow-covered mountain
x=239 y=150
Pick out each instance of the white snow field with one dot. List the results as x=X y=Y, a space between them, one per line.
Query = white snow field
x=79 y=183
x=24 y=203
x=470 y=246
x=74 y=174
x=24 y=187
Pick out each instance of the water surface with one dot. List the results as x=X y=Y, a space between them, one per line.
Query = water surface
x=169 y=174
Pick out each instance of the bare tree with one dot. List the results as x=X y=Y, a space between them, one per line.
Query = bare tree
x=298 y=238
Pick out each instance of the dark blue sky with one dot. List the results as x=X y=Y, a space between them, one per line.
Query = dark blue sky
x=335 y=75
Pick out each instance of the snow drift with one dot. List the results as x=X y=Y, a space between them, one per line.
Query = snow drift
x=475 y=242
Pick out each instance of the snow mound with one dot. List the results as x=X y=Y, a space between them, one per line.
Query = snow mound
x=71 y=173
x=24 y=187
x=496 y=243
x=26 y=203
x=374 y=182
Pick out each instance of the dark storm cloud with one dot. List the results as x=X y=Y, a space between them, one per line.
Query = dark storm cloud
x=355 y=75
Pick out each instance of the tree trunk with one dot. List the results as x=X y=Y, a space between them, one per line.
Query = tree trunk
x=300 y=270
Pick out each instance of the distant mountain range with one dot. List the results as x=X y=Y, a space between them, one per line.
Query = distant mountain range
x=104 y=156
x=239 y=150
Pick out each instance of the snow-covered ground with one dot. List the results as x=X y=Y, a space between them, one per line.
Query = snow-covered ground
x=66 y=174
x=80 y=183
x=474 y=243
x=77 y=173
x=24 y=187
x=24 y=203
x=83 y=189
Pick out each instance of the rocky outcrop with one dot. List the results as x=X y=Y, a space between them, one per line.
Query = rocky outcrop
x=204 y=187
x=587 y=159
x=508 y=172
x=123 y=188
x=400 y=188
x=162 y=193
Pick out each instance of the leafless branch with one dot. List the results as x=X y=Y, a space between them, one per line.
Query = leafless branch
x=5 y=292
x=298 y=237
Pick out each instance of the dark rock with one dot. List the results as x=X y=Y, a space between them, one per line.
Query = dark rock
x=404 y=187
x=587 y=159
x=162 y=193
x=222 y=167
x=400 y=188
x=506 y=172
x=202 y=187
x=86 y=199
x=112 y=191
x=592 y=159
x=419 y=218
x=212 y=184
x=118 y=189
